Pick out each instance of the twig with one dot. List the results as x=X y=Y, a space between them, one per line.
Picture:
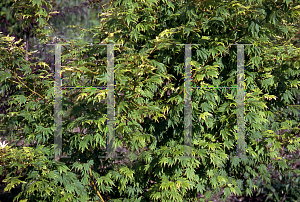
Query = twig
x=284 y=197
x=29 y=88
x=98 y=193
x=290 y=38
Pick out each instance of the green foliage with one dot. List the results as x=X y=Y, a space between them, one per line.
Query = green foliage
x=45 y=179
x=26 y=17
x=149 y=90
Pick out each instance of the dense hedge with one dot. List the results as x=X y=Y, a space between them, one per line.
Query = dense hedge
x=149 y=100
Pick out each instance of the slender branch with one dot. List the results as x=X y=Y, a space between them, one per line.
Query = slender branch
x=123 y=22
x=152 y=51
x=28 y=87
x=291 y=38
x=98 y=193
x=51 y=29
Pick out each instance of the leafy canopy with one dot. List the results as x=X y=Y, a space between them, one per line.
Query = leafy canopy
x=149 y=100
